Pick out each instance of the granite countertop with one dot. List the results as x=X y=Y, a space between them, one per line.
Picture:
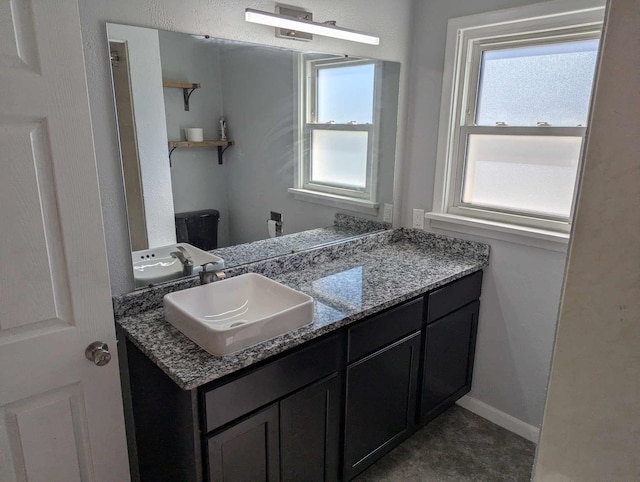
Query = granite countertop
x=344 y=228
x=287 y=244
x=347 y=283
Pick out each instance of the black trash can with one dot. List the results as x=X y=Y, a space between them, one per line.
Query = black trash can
x=198 y=228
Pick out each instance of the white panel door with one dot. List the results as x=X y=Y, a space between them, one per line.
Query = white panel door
x=60 y=415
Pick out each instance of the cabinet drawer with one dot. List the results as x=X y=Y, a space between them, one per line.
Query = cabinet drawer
x=453 y=296
x=383 y=329
x=268 y=383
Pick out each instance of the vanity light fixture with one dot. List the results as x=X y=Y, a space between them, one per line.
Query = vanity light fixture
x=300 y=23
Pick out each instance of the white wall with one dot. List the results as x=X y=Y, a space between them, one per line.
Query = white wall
x=521 y=290
x=146 y=90
x=391 y=19
x=591 y=429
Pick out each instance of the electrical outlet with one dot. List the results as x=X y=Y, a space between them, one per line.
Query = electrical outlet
x=387 y=215
x=418 y=218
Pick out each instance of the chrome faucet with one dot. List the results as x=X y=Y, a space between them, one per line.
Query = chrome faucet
x=185 y=258
x=207 y=277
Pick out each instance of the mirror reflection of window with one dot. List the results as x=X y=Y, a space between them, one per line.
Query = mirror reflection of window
x=339 y=158
x=340 y=127
x=345 y=93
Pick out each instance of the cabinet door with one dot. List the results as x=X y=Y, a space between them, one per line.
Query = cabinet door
x=380 y=403
x=448 y=360
x=309 y=432
x=248 y=450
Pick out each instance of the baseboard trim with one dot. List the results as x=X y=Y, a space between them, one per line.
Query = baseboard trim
x=500 y=418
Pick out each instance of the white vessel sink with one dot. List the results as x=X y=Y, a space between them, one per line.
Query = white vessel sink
x=229 y=315
x=156 y=265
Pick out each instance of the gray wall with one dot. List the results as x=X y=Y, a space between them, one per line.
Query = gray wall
x=198 y=181
x=521 y=290
x=260 y=110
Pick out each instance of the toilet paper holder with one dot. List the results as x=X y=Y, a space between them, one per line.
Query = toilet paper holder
x=277 y=217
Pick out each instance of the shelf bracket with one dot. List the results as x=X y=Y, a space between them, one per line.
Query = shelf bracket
x=171 y=149
x=221 y=151
x=186 y=93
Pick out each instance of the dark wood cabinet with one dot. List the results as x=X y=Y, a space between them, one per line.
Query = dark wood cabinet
x=323 y=411
x=381 y=330
x=296 y=437
x=380 y=403
x=249 y=450
x=291 y=440
x=310 y=431
x=449 y=347
x=454 y=295
x=257 y=387
x=165 y=432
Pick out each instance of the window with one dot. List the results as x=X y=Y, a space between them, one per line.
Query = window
x=338 y=131
x=514 y=115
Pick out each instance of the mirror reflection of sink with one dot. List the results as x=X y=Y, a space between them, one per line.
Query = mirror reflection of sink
x=156 y=270
x=153 y=266
x=229 y=315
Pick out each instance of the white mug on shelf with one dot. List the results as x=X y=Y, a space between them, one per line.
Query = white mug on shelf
x=194 y=134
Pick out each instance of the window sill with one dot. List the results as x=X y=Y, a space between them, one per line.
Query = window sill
x=349 y=204
x=538 y=238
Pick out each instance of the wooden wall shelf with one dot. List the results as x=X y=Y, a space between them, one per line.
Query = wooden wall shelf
x=187 y=89
x=221 y=145
x=180 y=85
x=199 y=144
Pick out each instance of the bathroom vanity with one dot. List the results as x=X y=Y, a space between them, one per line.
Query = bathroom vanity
x=391 y=347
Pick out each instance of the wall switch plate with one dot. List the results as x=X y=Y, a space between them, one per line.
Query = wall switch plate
x=418 y=218
x=387 y=215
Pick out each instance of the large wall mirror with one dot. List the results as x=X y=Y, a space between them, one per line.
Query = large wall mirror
x=225 y=143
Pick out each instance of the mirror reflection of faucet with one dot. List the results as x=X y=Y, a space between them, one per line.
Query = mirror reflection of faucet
x=209 y=276
x=185 y=258
x=274 y=224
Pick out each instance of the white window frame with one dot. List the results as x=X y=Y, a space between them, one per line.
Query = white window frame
x=467 y=38
x=355 y=199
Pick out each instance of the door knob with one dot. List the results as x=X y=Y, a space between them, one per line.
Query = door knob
x=98 y=353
